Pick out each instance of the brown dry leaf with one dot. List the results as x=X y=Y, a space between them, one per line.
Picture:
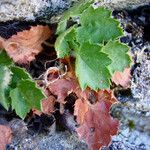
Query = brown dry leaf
x=122 y=78
x=80 y=109
x=107 y=95
x=1 y=46
x=5 y=136
x=47 y=106
x=24 y=46
x=62 y=88
x=99 y=126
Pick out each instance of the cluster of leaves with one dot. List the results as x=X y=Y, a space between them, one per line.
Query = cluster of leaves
x=91 y=110
x=91 y=36
x=94 y=41
x=17 y=89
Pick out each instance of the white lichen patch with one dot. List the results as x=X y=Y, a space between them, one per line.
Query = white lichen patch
x=29 y=9
x=15 y=9
x=141 y=80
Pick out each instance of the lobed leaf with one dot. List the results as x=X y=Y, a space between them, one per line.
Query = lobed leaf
x=78 y=112
x=92 y=15
x=96 y=47
x=76 y=10
x=31 y=93
x=25 y=97
x=91 y=67
x=17 y=89
x=25 y=45
x=18 y=75
x=122 y=78
x=101 y=32
x=62 y=44
x=19 y=103
x=117 y=52
x=98 y=126
x=62 y=88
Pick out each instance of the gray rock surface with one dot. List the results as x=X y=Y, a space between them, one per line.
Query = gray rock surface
x=49 y=10
x=141 y=79
x=31 y=9
x=134 y=111
x=134 y=132
x=121 y=4
x=54 y=140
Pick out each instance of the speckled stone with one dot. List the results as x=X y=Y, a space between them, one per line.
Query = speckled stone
x=121 y=4
x=50 y=10
x=32 y=9
x=141 y=79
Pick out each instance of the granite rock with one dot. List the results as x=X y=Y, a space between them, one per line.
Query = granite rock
x=49 y=10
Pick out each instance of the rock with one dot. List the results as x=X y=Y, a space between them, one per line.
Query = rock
x=53 y=140
x=61 y=141
x=134 y=132
x=49 y=10
x=135 y=24
x=32 y=9
x=124 y=4
x=134 y=111
x=141 y=79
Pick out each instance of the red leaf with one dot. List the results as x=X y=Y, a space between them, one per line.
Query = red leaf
x=80 y=109
x=62 y=88
x=5 y=136
x=99 y=126
x=106 y=95
x=47 y=106
x=24 y=46
x=122 y=78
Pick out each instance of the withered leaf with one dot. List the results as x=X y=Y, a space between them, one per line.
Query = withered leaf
x=98 y=125
x=24 y=46
x=47 y=106
x=5 y=136
x=122 y=78
x=62 y=88
x=80 y=109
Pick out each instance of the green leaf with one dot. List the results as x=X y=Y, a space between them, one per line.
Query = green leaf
x=31 y=93
x=62 y=25
x=25 y=97
x=99 y=27
x=19 y=103
x=18 y=74
x=99 y=32
x=17 y=88
x=62 y=45
x=76 y=10
x=94 y=40
x=117 y=52
x=91 y=67
x=5 y=79
x=4 y=58
x=92 y=15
